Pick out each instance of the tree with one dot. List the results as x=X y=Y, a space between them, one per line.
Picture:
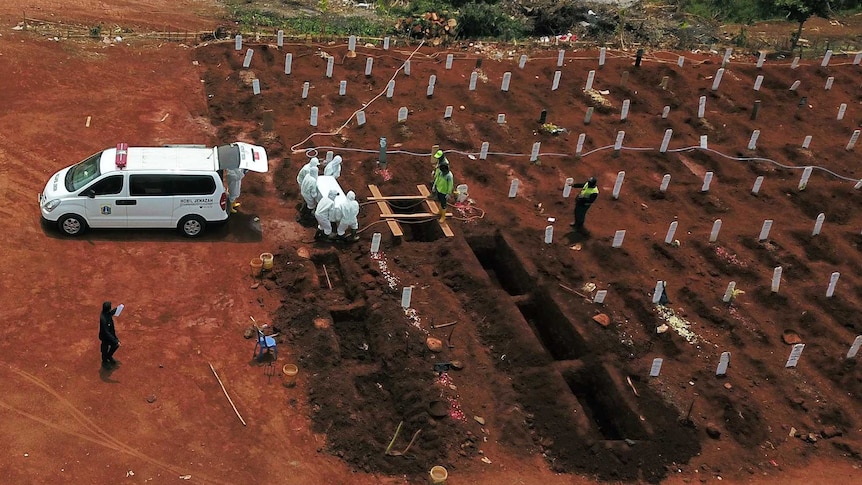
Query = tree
x=800 y=11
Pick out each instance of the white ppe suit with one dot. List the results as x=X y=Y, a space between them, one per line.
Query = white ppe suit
x=306 y=169
x=234 y=183
x=333 y=168
x=309 y=190
x=325 y=212
x=348 y=211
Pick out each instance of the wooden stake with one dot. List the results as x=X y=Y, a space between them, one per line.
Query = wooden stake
x=326 y=273
x=443 y=325
x=573 y=291
x=226 y=395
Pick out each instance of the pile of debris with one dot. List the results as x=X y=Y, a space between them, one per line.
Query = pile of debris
x=438 y=26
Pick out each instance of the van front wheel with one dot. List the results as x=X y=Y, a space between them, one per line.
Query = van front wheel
x=72 y=225
x=192 y=226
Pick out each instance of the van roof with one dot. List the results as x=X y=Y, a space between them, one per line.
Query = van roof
x=191 y=158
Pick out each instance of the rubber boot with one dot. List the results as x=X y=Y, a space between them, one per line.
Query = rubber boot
x=318 y=234
x=353 y=236
x=442 y=215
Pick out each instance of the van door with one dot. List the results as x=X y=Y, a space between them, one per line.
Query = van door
x=151 y=201
x=244 y=156
x=105 y=202
x=196 y=194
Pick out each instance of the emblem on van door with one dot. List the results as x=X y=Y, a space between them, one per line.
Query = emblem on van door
x=105 y=210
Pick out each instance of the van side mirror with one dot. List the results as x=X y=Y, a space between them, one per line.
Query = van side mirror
x=91 y=194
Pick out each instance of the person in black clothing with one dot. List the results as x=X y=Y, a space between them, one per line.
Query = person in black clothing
x=585 y=198
x=107 y=334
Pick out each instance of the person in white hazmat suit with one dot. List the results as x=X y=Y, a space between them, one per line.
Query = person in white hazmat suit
x=333 y=168
x=309 y=194
x=348 y=211
x=306 y=169
x=325 y=214
x=234 y=185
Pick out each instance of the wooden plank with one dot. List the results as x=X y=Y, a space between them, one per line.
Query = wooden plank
x=385 y=211
x=395 y=197
x=432 y=205
x=418 y=215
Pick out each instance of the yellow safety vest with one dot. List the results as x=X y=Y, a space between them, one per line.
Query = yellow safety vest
x=587 y=191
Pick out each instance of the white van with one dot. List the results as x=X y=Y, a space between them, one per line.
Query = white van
x=147 y=187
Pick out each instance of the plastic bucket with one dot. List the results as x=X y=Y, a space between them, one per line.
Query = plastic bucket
x=256 y=265
x=438 y=474
x=290 y=371
x=267 y=260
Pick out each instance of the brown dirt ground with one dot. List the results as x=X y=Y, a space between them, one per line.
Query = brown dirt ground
x=549 y=383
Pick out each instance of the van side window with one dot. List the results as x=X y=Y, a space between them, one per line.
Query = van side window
x=144 y=185
x=193 y=185
x=108 y=186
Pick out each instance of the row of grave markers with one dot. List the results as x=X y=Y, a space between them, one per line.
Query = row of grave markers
x=351 y=46
x=792 y=359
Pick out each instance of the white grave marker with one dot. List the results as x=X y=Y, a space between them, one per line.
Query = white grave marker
x=619 y=236
x=600 y=296
x=829 y=81
x=402 y=114
x=449 y=58
x=794 y=63
x=534 y=153
x=305 y=87
x=602 y=52
x=390 y=89
x=432 y=80
x=727 y=53
x=853 y=139
x=858 y=185
x=665 y=181
x=704 y=141
x=723 y=362
x=580 y=146
x=618 y=144
x=507 y=78
x=501 y=119
x=728 y=293
x=680 y=61
x=556 y=84
x=716 y=228
x=655 y=370
x=522 y=61
x=795 y=85
x=718 y=75
x=664 y=112
x=567 y=188
x=841 y=110
x=818 y=224
x=803 y=181
x=483 y=152
x=752 y=142
x=806 y=142
x=776 y=279
x=351 y=43
x=342 y=88
x=764 y=230
x=549 y=234
x=707 y=179
x=625 y=110
x=375 y=242
x=360 y=118
x=760 y=59
x=406 y=295
x=407 y=68
x=369 y=64
x=701 y=107
x=513 y=188
x=857 y=59
x=386 y=43
x=288 y=63
x=474 y=76
x=618 y=184
x=833 y=280
x=591 y=76
x=330 y=63
x=757 y=82
x=757 y=183
x=659 y=289
x=313 y=120
x=255 y=86
x=560 y=56
x=430 y=91
x=671 y=231
x=826 y=58
x=589 y=115
x=666 y=140
x=238 y=42
x=447 y=113
x=247 y=61
x=854 y=349
x=795 y=353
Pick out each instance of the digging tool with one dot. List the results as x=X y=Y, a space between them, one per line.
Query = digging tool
x=449 y=339
x=443 y=325
x=392 y=442
x=570 y=290
x=404 y=452
x=227 y=395
x=326 y=273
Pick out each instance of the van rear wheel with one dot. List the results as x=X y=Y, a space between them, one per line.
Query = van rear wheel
x=192 y=226
x=72 y=225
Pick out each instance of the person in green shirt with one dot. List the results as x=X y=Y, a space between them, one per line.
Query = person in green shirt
x=442 y=186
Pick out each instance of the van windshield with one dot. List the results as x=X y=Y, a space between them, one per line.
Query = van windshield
x=83 y=173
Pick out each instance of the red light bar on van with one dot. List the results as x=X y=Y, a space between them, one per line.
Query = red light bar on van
x=255 y=155
x=122 y=153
